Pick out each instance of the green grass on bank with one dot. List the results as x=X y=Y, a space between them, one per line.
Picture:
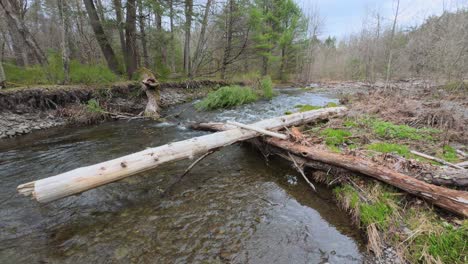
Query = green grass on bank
x=414 y=230
x=53 y=73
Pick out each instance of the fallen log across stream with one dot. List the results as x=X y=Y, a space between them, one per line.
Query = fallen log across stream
x=455 y=201
x=86 y=178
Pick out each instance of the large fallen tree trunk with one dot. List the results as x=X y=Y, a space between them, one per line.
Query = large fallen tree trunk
x=452 y=200
x=82 y=179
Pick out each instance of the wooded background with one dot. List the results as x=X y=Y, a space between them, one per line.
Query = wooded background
x=59 y=41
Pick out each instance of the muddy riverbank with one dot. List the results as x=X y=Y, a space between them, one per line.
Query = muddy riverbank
x=24 y=110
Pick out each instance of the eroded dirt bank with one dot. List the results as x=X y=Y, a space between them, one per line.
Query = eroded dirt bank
x=23 y=110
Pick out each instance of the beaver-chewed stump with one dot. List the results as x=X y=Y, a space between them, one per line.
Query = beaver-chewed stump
x=151 y=86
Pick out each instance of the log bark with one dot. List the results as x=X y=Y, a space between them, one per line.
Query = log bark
x=452 y=200
x=86 y=178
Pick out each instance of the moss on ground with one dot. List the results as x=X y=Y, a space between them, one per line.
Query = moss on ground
x=390 y=148
x=335 y=137
x=389 y=130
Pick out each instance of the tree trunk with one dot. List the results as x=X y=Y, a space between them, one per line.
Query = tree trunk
x=101 y=37
x=10 y=9
x=283 y=64
x=449 y=199
x=172 y=40
x=264 y=65
x=130 y=38
x=2 y=72
x=201 y=40
x=188 y=28
x=120 y=23
x=228 y=43
x=86 y=178
x=65 y=25
x=144 y=44
x=390 y=52
x=150 y=85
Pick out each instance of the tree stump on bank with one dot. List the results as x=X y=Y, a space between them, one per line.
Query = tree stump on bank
x=151 y=86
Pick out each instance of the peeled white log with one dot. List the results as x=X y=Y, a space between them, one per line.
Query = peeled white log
x=86 y=178
x=259 y=130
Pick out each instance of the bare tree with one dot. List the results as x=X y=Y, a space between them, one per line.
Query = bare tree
x=101 y=37
x=228 y=37
x=141 y=22
x=172 y=38
x=130 y=38
x=2 y=72
x=201 y=40
x=188 y=28
x=390 y=52
x=11 y=10
x=65 y=26
x=120 y=24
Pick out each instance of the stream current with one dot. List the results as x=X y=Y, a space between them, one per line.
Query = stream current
x=233 y=206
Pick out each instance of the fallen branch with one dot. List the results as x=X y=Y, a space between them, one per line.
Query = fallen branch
x=452 y=200
x=86 y=178
x=436 y=159
x=300 y=169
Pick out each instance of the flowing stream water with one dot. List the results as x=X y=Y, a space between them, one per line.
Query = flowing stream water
x=233 y=207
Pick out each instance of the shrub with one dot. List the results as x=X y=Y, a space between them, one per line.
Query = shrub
x=226 y=97
x=267 y=87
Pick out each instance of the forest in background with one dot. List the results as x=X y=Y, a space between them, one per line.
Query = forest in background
x=97 y=41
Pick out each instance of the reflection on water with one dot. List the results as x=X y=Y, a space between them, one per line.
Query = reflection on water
x=232 y=207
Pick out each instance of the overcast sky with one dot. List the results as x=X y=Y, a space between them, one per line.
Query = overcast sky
x=342 y=17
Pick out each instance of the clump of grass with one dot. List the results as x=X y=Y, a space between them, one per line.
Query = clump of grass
x=350 y=123
x=390 y=130
x=331 y=104
x=267 y=87
x=228 y=96
x=348 y=196
x=377 y=213
x=288 y=113
x=94 y=106
x=390 y=148
x=435 y=241
x=449 y=154
x=335 y=137
x=456 y=86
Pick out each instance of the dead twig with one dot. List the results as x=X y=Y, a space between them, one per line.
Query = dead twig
x=301 y=171
x=190 y=167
